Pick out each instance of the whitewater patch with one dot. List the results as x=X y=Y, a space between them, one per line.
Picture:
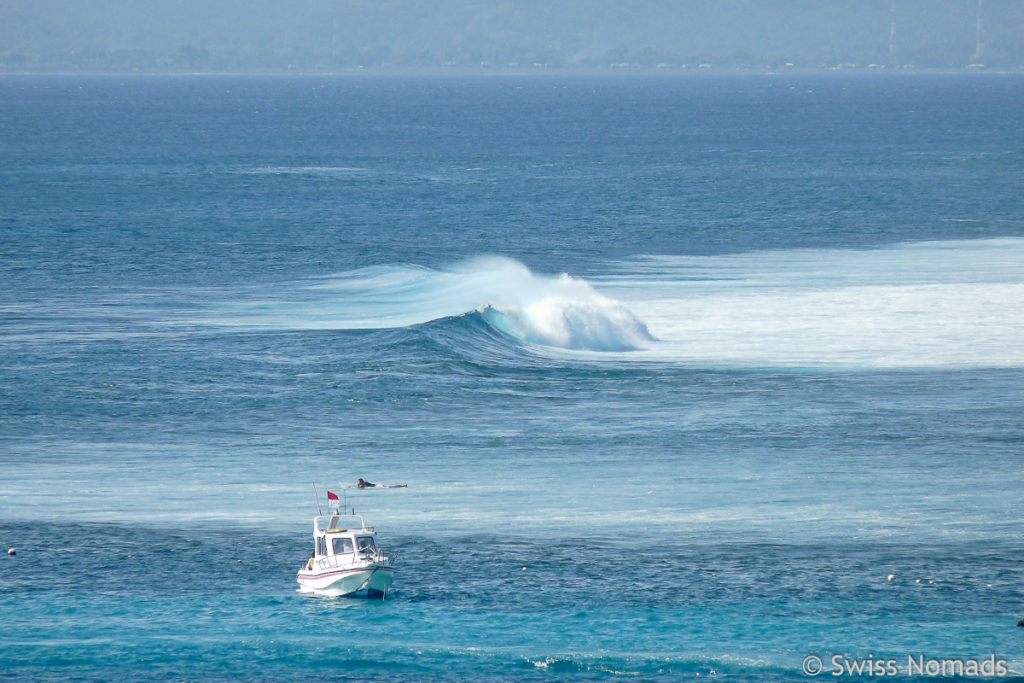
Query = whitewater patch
x=954 y=304
x=559 y=312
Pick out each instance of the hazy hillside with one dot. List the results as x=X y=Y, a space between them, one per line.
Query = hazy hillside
x=327 y=35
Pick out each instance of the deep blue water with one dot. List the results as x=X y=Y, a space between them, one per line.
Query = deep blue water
x=679 y=372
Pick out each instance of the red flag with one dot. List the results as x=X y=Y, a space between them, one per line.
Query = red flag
x=332 y=499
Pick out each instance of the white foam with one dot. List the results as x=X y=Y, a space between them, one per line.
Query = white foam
x=565 y=313
x=940 y=304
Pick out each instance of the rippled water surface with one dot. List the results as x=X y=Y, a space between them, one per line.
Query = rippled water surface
x=687 y=377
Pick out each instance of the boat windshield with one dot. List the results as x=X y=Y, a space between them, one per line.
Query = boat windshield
x=366 y=543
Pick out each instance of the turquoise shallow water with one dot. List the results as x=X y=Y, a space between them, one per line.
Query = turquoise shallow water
x=679 y=372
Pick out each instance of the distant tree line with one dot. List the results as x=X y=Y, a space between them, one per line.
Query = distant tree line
x=323 y=36
x=190 y=58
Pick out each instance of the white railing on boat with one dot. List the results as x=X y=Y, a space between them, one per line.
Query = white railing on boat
x=343 y=523
x=347 y=561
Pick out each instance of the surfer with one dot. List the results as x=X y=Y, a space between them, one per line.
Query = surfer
x=363 y=484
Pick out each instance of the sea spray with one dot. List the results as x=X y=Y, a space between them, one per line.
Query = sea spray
x=562 y=312
x=591 y=322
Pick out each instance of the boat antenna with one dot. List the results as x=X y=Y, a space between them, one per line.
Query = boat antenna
x=317 y=496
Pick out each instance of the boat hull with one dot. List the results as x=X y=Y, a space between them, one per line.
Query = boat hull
x=371 y=581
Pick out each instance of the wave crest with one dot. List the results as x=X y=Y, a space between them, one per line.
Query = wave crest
x=560 y=312
x=592 y=324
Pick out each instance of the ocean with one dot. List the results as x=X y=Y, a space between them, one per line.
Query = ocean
x=689 y=377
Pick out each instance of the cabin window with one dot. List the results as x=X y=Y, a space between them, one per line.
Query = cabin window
x=342 y=545
x=366 y=543
x=321 y=546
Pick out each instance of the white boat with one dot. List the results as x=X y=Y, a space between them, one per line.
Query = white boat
x=347 y=560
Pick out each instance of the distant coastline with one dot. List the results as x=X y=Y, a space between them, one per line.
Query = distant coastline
x=526 y=36
x=535 y=70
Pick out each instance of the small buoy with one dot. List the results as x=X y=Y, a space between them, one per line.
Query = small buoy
x=930 y=582
x=524 y=569
x=239 y=560
x=918 y=581
x=12 y=552
x=1021 y=622
x=891 y=577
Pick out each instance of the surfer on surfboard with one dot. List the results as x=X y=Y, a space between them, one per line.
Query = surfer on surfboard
x=363 y=484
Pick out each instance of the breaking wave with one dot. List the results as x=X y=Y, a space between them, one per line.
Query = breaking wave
x=956 y=304
x=559 y=312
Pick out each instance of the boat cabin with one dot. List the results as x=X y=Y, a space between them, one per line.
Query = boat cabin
x=342 y=539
